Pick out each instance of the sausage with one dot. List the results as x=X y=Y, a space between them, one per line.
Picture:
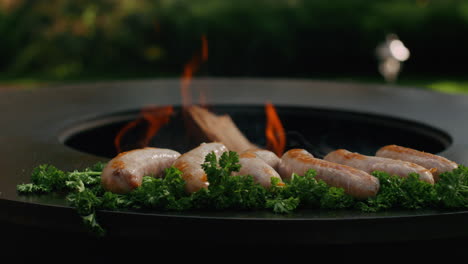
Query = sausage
x=372 y=163
x=190 y=165
x=291 y=163
x=125 y=171
x=268 y=156
x=253 y=165
x=435 y=163
x=356 y=183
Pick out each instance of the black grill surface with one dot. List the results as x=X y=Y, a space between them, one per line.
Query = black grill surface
x=69 y=127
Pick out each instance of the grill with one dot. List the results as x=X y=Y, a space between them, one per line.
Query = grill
x=74 y=126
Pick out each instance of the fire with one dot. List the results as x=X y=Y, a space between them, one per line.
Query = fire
x=204 y=48
x=189 y=69
x=155 y=117
x=274 y=131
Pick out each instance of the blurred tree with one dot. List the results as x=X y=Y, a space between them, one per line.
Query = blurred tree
x=294 y=38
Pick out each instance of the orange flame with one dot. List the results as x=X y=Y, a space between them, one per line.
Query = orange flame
x=274 y=131
x=204 y=48
x=189 y=69
x=155 y=117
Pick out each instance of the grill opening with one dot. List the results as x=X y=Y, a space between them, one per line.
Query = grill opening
x=315 y=129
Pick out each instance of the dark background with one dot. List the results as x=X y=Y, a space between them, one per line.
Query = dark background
x=70 y=40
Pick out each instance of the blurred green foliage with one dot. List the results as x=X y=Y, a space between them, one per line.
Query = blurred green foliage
x=282 y=38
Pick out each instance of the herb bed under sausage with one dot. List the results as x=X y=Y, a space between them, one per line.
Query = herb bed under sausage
x=84 y=192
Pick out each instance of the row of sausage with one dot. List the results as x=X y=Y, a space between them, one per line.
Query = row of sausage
x=339 y=168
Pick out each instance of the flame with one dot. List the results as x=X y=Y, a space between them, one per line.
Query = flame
x=155 y=117
x=122 y=132
x=274 y=131
x=189 y=69
x=204 y=48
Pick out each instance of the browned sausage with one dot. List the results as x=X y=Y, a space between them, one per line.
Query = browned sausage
x=292 y=161
x=355 y=182
x=370 y=164
x=268 y=156
x=261 y=172
x=190 y=165
x=125 y=172
x=435 y=163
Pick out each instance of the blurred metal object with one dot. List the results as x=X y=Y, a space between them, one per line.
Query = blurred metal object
x=391 y=55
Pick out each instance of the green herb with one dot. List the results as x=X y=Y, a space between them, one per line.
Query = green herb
x=86 y=201
x=283 y=205
x=399 y=192
x=47 y=178
x=166 y=193
x=79 y=186
x=44 y=178
x=227 y=191
x=307 y=192
x=452 y=188
x=336 y=198
x=307 y=188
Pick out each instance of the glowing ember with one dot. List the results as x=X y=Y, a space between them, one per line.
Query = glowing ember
x=274 y=131
x=154 y=117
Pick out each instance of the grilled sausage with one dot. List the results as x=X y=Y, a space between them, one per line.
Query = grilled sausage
x=355 y=182
x=268 y=156
x=372 y=163
x=435 y=163
x=125 y=172
x=291 y=163
x=253 y=165
x=190 y=165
